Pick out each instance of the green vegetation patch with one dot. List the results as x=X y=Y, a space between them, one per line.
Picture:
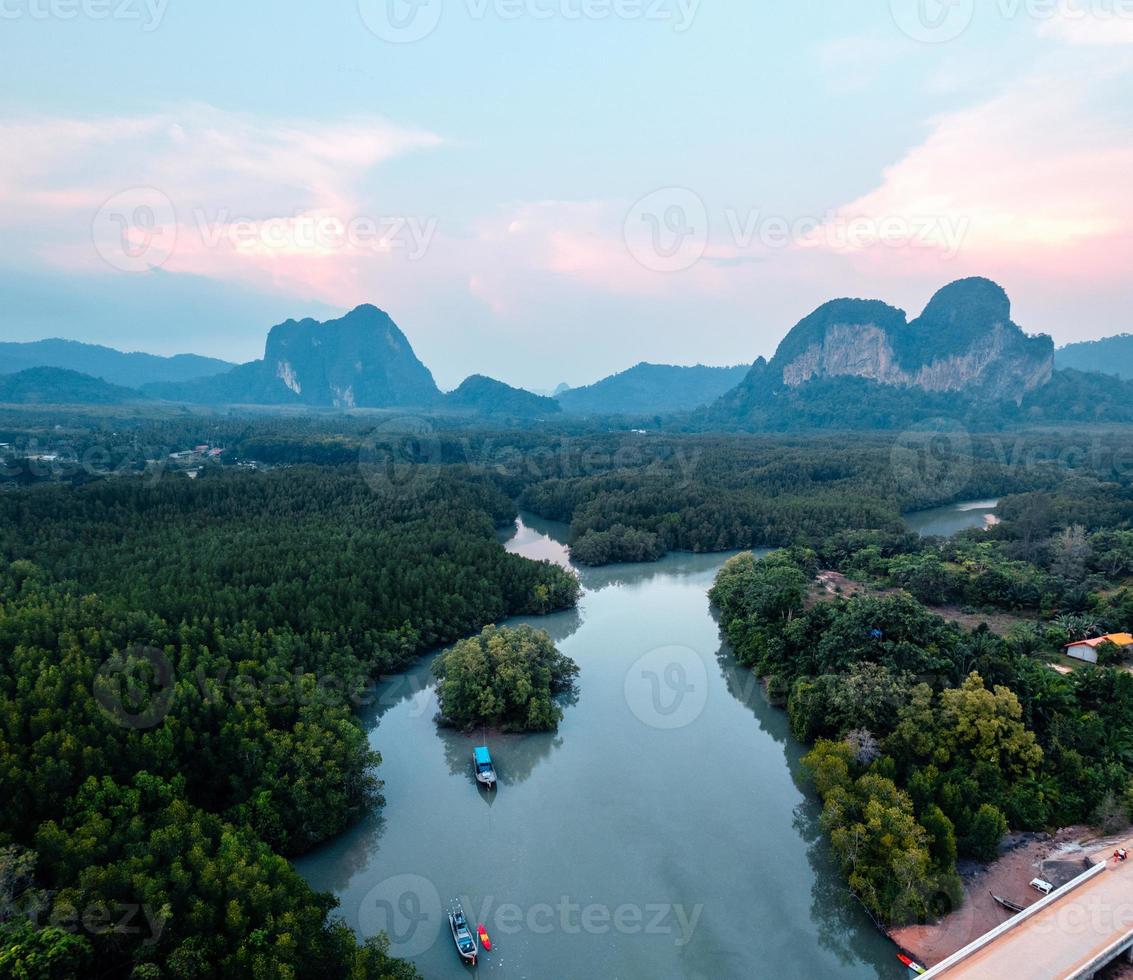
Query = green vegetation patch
x=504 y=678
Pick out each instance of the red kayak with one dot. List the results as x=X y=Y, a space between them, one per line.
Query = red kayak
x=484 y=940
x=911 y=963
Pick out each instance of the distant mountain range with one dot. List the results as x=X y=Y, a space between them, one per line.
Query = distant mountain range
x=361 y=360
x=651 y=389
x=1110 y=355
x=852 y=363
x=129 y=370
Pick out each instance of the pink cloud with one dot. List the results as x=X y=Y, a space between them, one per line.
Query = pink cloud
x=235 y=196
x=1035 y=180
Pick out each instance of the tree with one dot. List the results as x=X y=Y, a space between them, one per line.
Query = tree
x=988 y=828
x=1070 y=551
x=979 y=726
x=506 y=678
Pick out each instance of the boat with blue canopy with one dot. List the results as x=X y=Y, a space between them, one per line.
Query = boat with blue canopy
x=482 y=766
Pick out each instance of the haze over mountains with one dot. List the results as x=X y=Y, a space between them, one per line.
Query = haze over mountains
x=116 y=367
x=851 y=363
x=649 y=389
x=1110 y=355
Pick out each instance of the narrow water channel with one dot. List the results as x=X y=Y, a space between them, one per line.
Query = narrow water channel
x=660 y=832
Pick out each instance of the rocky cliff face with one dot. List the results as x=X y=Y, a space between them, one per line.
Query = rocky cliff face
x=361 y=359
x=964 y=341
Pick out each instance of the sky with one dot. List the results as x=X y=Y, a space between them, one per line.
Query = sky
x=553 y=190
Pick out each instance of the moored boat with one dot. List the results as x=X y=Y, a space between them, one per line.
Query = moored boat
x=461 y=934
x=1008 y=904
x=482 y=766
x=482 y=932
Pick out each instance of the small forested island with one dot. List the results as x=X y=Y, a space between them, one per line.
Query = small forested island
x=505 y=678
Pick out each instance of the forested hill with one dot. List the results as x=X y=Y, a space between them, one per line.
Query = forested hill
x=485 y=396
x=179 y=667
x=1110 y=355
x=58 y=386
x=652 y=389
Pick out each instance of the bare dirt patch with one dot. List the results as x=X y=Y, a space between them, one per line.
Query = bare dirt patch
x=829 y=585
x=1056 y=858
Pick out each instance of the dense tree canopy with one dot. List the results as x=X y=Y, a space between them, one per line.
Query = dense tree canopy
x=505 y=678
x=179 y=664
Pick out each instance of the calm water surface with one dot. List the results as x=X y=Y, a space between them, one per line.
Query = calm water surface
x=950 y=520
x=661 y=832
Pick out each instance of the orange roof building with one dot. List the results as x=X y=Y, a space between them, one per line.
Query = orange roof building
x=1087 y=650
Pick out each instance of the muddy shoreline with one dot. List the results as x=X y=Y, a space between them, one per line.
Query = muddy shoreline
x=1057 y=858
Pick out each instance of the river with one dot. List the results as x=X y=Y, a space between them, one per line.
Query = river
x=660 y=832
x=953 y=518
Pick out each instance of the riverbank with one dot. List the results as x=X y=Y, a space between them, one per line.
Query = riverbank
x=1056 y=858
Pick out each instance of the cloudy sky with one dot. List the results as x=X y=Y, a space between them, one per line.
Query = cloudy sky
x=552 y=190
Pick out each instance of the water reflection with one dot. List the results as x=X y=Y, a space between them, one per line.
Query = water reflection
x=538 y=539
x=845 y=928
x=514 y=756
x=950 y=520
